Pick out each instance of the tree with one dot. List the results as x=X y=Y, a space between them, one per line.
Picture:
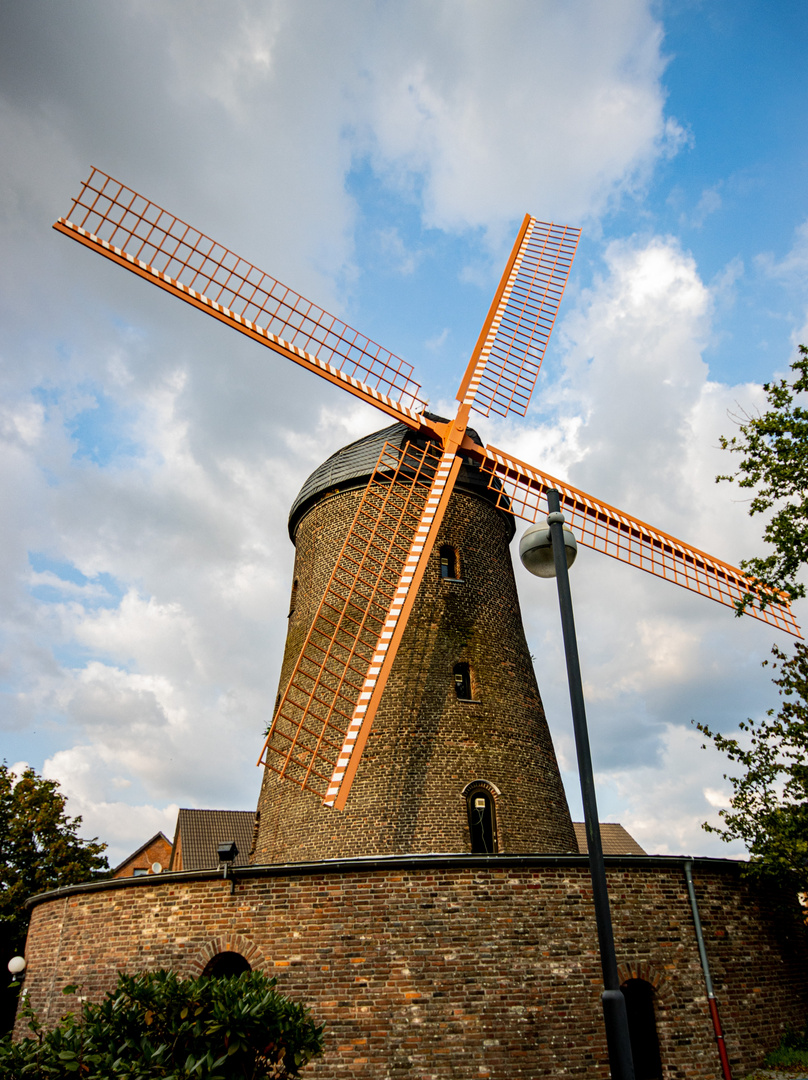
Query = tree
x=774 y=463
x=39 y=848
x=157 y=1025
x=769 y=804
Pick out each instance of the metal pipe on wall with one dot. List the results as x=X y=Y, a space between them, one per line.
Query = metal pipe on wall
x=708 y=982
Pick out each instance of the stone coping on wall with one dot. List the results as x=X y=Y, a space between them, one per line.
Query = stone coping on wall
x=370 y=863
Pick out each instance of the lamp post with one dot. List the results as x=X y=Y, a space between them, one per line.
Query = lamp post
x=549 y=552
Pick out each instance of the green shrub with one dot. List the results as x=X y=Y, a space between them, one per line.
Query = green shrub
x=157 y=1025
x=792 y=1051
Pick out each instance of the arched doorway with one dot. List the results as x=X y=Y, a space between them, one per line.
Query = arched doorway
x=225 y=965
x=642 y=1030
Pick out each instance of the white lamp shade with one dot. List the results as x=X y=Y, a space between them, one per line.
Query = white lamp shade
x=536 y=550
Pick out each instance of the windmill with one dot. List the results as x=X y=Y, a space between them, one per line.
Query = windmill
x=322 y=722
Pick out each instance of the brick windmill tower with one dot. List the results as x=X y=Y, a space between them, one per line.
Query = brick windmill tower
x=459 y=757
x=408 y=718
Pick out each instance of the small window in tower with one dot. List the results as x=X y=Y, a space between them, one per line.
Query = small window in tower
x=448 y=562
x=482 y=824
x=462 y=682
x=293 y=599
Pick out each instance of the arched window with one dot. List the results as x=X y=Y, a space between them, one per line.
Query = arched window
x=225 y=965
x=482 y=821
x=642 y=1031
x=462 y=681
x=448 y=562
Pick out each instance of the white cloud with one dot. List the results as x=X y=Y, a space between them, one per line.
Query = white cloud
x=399 y=258
x=683 y=779
x=83 y=776
x=642 y=426
x=501 y=109
x=709 y=203
x=634 y=372
x=794 y=265
x=792 y=271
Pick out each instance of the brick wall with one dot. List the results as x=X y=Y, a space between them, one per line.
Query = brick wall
x=433 y=968
x=426 y=746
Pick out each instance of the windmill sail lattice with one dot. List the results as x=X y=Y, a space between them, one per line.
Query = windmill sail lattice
x=324 y=717
x=505 y=363
x=327 y=708
x=521 y=489
x=143 y=237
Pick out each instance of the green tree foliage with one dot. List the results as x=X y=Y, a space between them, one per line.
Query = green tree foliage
x=769 y=804
x=157 y=1025
x=774 y=463
x=39 y=849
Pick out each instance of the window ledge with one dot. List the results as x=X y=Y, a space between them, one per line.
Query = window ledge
x=470 y=701
x=454 y=580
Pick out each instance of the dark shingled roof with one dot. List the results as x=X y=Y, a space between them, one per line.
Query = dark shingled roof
x=201 y=831
x=351 y=467
x=613 y=837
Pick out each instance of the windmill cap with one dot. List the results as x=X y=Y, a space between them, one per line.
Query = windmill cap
x=352 y=466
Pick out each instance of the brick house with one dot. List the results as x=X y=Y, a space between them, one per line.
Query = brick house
x=156 y=852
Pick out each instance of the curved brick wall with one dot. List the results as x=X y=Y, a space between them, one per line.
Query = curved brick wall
x=425 y=745
x=433 y=968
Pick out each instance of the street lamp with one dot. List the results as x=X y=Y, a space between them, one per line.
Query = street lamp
x=16 y=967
x=549 y=552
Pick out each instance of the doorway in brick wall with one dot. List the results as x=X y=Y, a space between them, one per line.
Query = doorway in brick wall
x=226 y=964
x=639 y=995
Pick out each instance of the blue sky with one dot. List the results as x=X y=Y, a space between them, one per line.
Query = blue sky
x=379 y=158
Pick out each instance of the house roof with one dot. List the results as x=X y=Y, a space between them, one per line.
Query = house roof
x=130 y=858
x=351 y=467
x=613 y=837
x=199 y=833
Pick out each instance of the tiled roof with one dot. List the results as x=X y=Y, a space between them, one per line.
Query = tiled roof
x=199 y=833
x=613 y=837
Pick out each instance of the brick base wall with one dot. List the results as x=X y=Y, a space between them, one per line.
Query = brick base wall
x=451 y=967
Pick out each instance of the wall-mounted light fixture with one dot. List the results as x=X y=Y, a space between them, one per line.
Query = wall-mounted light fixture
x=227 y=852
x=17 y=966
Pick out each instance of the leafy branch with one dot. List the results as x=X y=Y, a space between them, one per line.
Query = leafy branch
x=774 y=463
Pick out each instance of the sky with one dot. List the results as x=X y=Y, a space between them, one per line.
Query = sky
x=378 y=157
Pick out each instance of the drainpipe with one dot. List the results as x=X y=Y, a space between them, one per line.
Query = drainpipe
x=708 y=982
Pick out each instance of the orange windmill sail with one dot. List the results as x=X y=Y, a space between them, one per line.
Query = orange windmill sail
x=326 y=711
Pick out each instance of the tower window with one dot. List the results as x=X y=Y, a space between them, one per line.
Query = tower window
x=293 y=599
x=482 y=825
x=448 y=563
x=462 y=682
